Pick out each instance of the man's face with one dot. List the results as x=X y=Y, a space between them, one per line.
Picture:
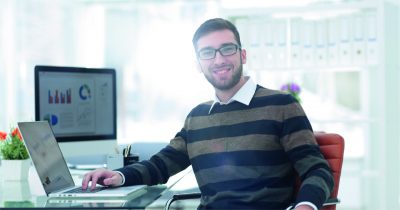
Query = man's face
x=223 y=72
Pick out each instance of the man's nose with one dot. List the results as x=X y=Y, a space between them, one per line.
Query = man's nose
x=219 y=58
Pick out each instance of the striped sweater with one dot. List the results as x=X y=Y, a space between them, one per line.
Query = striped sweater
x=244 y=157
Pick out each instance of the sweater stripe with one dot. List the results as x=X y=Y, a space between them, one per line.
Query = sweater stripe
x=152 y=172
x=249 y=186
x=295 y=124
x=230 y=173
x=236 y=143
x=275 y=113
x=265 y=127
x=239 y=158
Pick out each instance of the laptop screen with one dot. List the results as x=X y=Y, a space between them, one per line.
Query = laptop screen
x=46 y=155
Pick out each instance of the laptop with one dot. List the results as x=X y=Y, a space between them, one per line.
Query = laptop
x=52 y=169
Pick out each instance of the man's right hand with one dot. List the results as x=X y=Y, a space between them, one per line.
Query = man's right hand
x=103 y=177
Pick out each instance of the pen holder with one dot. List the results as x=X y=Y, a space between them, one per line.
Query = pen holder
x=130 y=159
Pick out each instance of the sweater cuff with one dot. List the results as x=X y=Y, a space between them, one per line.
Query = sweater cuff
x=123 y=178
x=130 y=176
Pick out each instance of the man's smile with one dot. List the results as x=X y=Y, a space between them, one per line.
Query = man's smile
x=222 y=70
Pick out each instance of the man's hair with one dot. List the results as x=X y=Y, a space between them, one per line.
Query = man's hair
x=212 y=25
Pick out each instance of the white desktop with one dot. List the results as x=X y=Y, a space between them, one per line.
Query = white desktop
x=80 y=105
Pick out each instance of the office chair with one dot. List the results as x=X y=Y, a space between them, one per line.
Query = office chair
x=332 y=148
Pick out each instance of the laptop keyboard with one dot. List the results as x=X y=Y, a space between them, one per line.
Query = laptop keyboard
x=79 y=190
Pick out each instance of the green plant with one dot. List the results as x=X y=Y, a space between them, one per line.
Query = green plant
x=11 y=146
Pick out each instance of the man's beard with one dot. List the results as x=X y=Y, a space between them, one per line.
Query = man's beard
x=229 y=84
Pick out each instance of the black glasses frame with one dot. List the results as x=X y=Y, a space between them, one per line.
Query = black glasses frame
x=221 y=52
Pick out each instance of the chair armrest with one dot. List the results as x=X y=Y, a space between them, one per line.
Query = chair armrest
x=331 y=201
x=183 y=196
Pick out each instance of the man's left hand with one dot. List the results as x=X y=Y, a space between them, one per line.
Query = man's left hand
x=304 y=207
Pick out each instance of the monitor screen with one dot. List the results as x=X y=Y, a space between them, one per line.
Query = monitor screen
x=79 y=103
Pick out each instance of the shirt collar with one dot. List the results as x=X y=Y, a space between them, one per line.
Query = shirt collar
x=244 y=95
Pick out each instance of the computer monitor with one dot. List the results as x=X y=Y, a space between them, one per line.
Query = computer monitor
x=80 y=105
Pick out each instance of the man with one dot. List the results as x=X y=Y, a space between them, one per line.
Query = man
x=245 y=146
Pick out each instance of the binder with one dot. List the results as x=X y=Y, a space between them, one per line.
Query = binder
x=321 y=43
x=269 y=44
x=372 y=37
x=295 y=42
x=307 y=39
x=254 y=53
x=280 y=43
x=358 y=42
x=333 y=42
x=344 y=41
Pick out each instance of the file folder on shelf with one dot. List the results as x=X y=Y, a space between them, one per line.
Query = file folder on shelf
x=295 y=43
x=307 y=39
x=333 y=40
x=358 y=42
x=321 y=43
x=372 y=38
x=344 y=41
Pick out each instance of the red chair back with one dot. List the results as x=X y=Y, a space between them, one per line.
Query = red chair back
x=332 y=148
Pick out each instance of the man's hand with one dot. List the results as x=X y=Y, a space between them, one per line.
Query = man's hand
x=103 y=177
x=304 y=207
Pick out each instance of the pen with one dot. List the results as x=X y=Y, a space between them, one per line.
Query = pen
x=127 y=151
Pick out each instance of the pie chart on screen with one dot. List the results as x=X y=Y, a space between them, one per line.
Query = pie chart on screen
x=53 y=119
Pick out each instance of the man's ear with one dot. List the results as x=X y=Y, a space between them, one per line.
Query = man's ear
x=244 y=56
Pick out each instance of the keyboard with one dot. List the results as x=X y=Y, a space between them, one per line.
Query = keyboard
x=79 y=190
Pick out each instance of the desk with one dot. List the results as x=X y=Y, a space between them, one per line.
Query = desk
x=30 y=194
x=17 y=195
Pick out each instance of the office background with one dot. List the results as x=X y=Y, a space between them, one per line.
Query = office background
x=343 y=54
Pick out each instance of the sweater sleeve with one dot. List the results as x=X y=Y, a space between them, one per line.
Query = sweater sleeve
x=169 y=161
x=303 y=151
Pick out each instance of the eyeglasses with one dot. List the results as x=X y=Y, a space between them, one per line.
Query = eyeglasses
x=210 y=53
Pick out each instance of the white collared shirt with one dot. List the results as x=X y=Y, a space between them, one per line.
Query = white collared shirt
x=244 y=95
